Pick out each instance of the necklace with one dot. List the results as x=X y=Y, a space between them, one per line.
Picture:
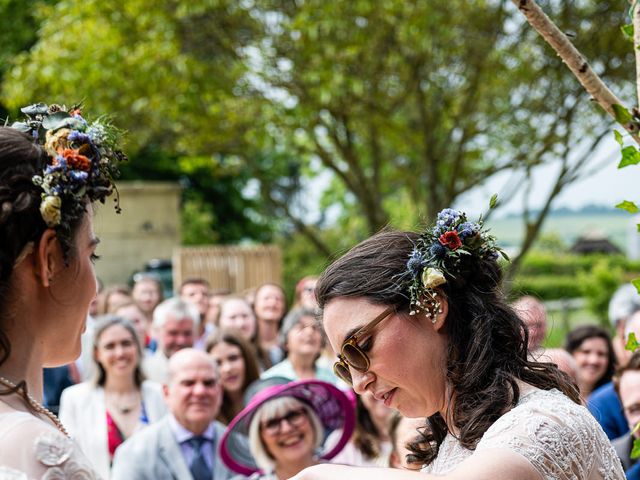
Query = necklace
x=123 y=409
x=37 y=406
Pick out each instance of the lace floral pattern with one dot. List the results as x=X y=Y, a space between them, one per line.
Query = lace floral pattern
x=56 y=452
x=560 y=439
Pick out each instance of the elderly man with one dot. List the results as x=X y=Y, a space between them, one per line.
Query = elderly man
x=534 y=315
x=175 y=323
x=184 y=444
x=627 y=385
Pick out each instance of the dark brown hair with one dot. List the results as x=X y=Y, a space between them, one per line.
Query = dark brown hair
x=251 y=370
x=21 y=222
x=578 y=335
x=487 y=342
x=103 y=323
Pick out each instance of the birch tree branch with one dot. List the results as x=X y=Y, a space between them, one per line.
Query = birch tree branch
x=635 y=14
x=581 y=69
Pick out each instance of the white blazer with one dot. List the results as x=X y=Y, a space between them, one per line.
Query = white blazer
x=84 y=415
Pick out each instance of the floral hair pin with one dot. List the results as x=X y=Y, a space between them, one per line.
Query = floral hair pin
x=438 y=254
x=83 y=158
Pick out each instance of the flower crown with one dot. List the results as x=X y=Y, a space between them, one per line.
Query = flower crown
x=438 y=254
x=83 y=157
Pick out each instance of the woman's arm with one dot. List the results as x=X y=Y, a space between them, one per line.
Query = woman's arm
x=490 y=464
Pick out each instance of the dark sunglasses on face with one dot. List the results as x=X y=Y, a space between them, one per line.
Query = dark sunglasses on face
x=351 y=354
x=294 y=418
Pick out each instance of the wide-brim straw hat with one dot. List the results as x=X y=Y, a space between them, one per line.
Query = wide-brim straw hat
x=332 y=406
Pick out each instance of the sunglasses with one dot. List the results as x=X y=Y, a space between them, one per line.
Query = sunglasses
x=351 y=354
x=294 y=418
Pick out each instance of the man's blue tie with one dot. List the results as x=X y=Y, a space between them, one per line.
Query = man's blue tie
x=199 y=468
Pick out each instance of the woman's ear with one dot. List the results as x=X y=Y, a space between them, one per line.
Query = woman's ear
x=48 y=257
x=440 y=311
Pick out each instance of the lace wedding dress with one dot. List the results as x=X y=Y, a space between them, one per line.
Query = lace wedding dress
x=559 y=438
x=31 y=449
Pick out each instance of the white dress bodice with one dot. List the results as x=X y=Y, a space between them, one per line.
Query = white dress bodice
x=560 y=439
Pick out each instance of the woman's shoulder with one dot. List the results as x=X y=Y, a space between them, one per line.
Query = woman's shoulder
x=556 y=435
x=81 y=389
x=31 y=448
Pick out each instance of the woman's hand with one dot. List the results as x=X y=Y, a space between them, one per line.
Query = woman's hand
x=328 y=471
x=321 y=472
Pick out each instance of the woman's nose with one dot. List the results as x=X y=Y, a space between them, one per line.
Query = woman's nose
x=361 y=380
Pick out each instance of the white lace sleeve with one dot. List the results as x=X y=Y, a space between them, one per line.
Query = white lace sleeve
x=560 y=439
x=32 y=449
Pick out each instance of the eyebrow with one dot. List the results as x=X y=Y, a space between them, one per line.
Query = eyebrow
x=358 y=330
x=94 y=242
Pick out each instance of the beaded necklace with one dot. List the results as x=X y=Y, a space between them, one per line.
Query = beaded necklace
x=37 y=406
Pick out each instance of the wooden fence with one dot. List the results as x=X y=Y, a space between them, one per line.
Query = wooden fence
x=229 y=267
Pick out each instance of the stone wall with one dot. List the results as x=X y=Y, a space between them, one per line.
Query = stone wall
x=147 y=228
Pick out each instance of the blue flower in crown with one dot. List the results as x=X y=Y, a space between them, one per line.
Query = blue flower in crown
x=442 y=251
x=416 y=262
x=468 y=229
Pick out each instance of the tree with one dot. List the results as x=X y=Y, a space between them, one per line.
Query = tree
x=414 y=103
x=167 y=71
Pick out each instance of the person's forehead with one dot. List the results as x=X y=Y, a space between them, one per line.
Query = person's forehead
x=630 y=383
x=196 y=370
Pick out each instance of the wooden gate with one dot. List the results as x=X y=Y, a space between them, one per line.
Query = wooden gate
x=229 y=267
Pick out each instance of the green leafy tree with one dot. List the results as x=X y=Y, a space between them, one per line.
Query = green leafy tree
x=409 y=106
x=167 y=71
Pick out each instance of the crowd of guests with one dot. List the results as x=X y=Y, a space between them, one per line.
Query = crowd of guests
x=155 y=373
x=202 y=355
x=605 y=370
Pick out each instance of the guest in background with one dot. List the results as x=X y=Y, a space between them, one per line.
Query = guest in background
x=132 y=312
x=237 y=314
x=184 y=444
x=306 y=294
x=147 y=293
x=216 y=298
x=302 y=340
x=270 y=308
x=111 y=297
x=591 y=347
x=237 y=367
x=604 y=403
x=403 y=431
x=627 y=384
x=289 y=427
x=624 y=303
x=103 y=413
x=55 y=381
x=563 y=359
x=175 y=323
x=534 y=315
x=370 y=445
x=196 y=291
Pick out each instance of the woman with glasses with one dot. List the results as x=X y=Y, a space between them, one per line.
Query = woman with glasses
x=420 y=321
x=302 y=341
x=286 y=426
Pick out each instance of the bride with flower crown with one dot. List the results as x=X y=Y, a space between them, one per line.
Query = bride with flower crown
x=420 y=322
x=53 y=166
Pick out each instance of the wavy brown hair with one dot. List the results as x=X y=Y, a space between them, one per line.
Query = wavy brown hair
x=487 y=342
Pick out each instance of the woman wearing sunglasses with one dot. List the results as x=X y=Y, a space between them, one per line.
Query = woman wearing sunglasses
x=286 y=426
x=419 y=321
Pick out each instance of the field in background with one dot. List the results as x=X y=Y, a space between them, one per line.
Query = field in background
x=568 y=226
